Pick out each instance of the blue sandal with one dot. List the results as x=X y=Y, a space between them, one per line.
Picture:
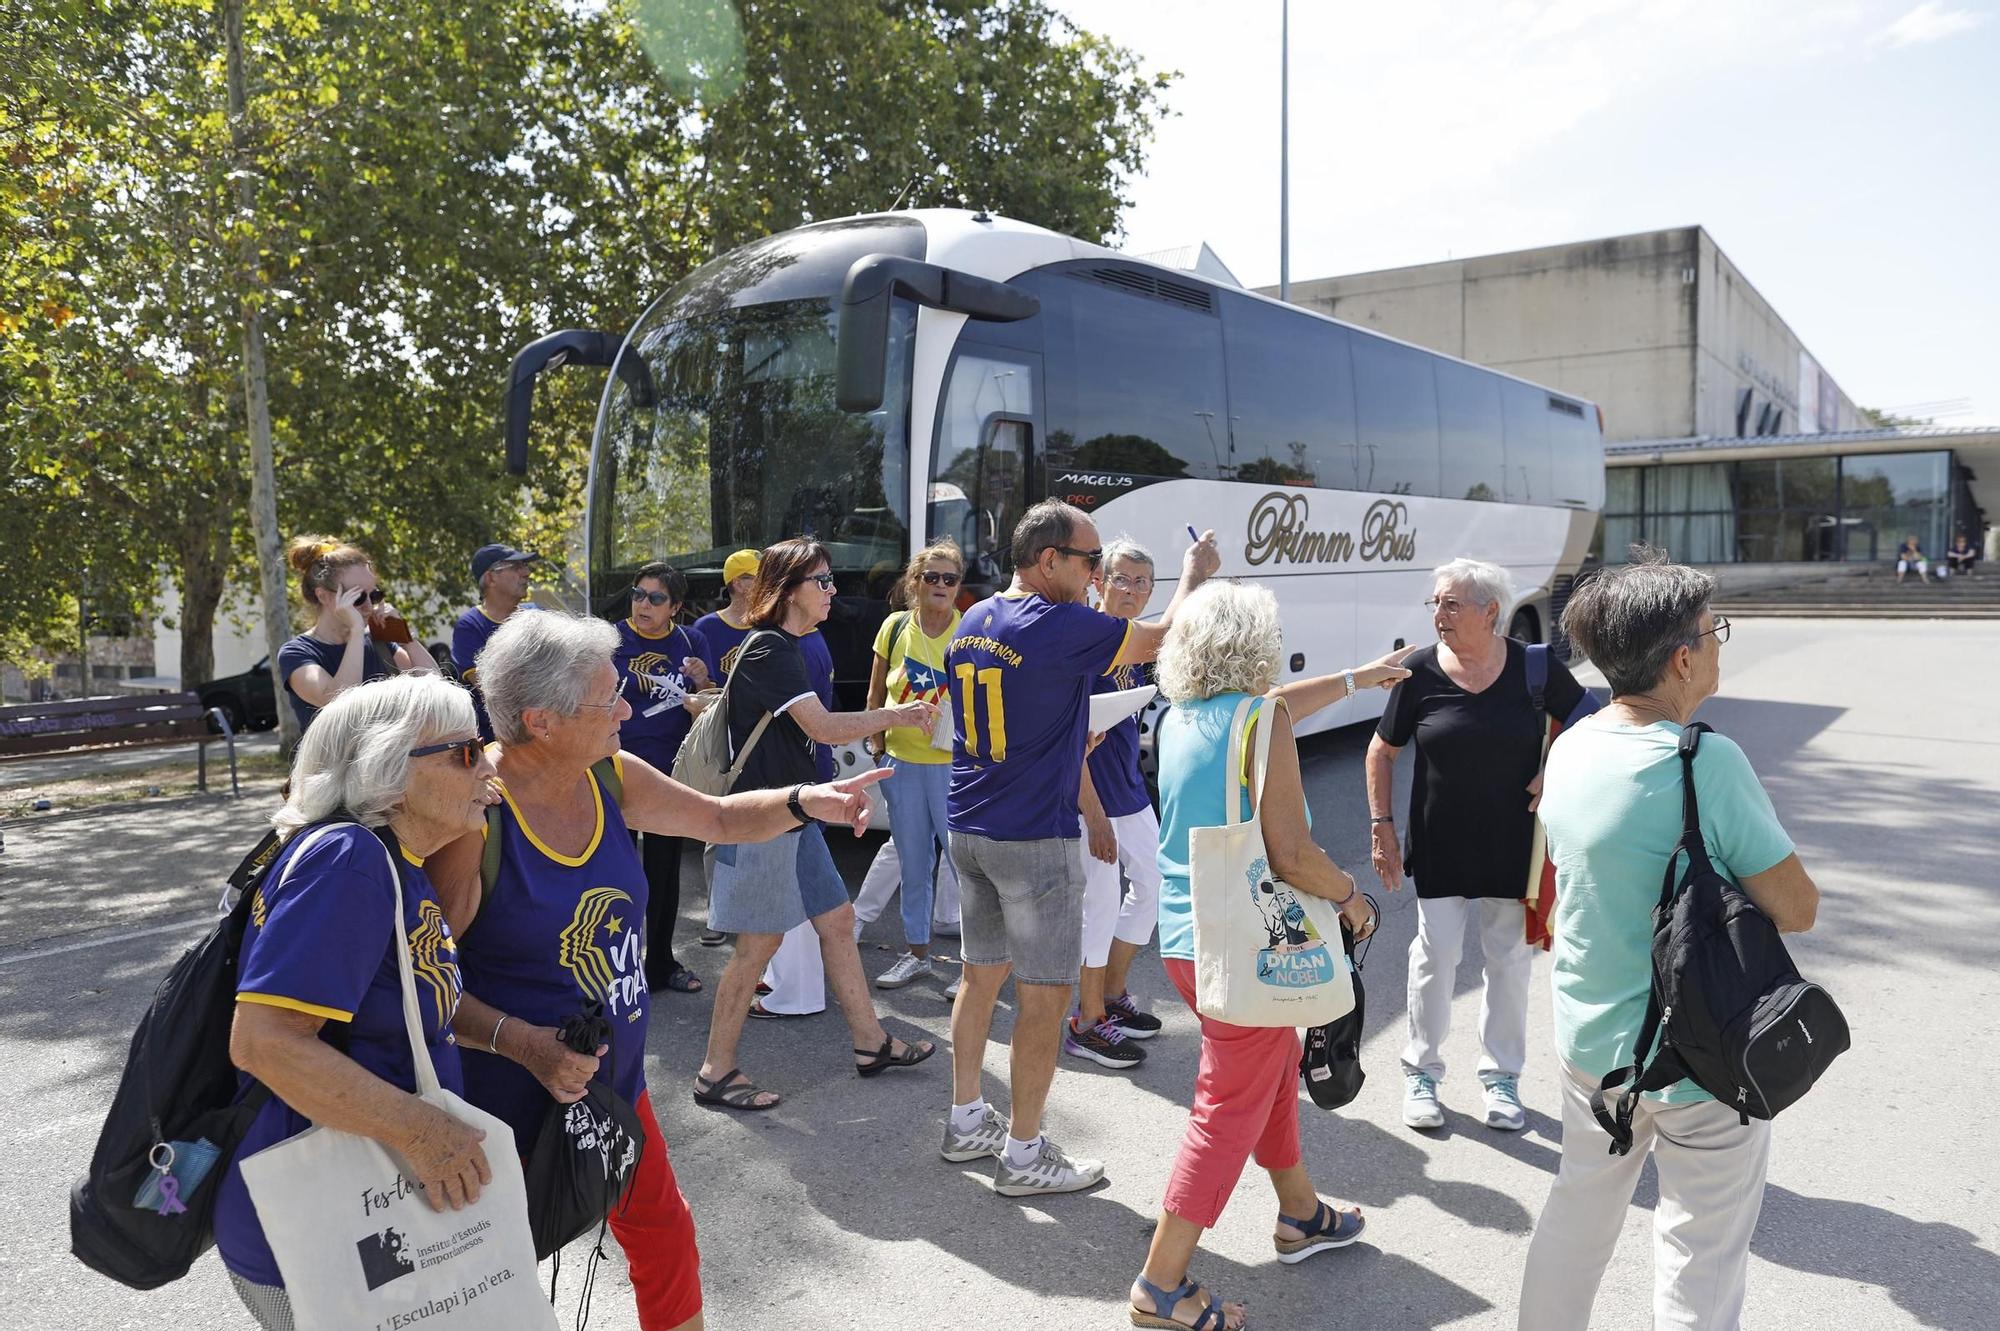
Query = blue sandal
x=1210 y=1318
x=1327 y=1229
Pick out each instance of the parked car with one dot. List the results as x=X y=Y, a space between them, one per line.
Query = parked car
x=250 y=703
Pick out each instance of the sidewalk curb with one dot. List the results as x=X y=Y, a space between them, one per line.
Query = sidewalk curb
x=142 y=805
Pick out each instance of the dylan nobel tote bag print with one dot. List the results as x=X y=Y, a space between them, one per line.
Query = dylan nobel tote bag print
x=361 y=1250
x=1261 y=952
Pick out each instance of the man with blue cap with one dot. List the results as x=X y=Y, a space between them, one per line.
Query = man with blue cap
x=501 y=573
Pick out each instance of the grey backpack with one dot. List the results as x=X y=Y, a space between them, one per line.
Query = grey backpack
x=703 y=762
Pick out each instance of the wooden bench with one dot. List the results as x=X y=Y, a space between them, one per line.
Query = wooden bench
x=89 y=725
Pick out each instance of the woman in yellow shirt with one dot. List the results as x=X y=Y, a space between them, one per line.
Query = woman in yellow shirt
x=909 y=663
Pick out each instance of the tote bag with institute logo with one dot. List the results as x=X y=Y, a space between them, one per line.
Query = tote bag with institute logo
x=361 y=1250
x=1265 y=954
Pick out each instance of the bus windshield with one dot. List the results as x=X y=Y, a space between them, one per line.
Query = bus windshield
x=741 y=444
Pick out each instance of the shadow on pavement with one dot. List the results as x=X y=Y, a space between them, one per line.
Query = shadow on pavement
x=1935 y=1272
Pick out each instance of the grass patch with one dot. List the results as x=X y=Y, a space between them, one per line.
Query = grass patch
x=165 y=781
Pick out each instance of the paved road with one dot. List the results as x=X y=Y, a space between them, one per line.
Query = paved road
x=835 y=1211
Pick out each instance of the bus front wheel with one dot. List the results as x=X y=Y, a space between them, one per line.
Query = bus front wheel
x=1525 y=627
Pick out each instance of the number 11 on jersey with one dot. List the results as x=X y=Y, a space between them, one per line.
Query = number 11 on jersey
x=996 y=710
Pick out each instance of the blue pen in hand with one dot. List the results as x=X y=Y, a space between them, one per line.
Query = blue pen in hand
x=1192 y=535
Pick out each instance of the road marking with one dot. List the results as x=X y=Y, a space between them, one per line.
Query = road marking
x=111 y=937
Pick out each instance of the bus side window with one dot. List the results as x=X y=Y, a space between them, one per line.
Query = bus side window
x=1525 y=413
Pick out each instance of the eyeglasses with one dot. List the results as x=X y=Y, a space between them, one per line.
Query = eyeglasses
x=650 y=598
x=466 y=749
x=1142 y=583
x=602 y=706
x=507 y=566
x=375 y=597
x=825 y=580
x=936 y=579
x=1451 y=605
x=1094 y=557
x=1720 y=630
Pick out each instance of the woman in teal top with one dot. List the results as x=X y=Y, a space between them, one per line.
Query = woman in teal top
x=1611 y=801
x=1225 y=645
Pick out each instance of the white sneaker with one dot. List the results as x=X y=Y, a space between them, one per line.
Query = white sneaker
x=1420 y=1101
x=1049 y=1171
x=1503 y=1105
x=989 y=1138
x=908 y=967
x=951 y=990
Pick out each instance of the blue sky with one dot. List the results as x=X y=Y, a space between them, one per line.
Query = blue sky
x=1845 y=155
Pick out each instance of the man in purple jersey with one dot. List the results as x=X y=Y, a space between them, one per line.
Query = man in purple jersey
x=1020 y=673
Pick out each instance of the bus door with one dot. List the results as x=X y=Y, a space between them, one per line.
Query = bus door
x=982 y=459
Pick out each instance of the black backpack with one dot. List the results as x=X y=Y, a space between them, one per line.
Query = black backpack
x=176 y=1105
x=1728 y=1006
x=1330 y=1063
x=586 y=1156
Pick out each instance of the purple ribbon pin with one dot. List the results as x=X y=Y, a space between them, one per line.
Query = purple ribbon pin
x=170 y=1196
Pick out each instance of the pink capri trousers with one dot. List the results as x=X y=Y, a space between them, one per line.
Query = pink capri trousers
x=1246 y=1104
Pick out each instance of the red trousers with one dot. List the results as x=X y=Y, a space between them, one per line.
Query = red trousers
x=656 y=1230
x=1246 y=1103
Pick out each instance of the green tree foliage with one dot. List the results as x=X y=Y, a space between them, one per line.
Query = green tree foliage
x=431 y=186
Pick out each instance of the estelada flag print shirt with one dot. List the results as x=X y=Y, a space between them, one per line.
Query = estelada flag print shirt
x=556 y=932
x=319 y=942
x=1020 y=672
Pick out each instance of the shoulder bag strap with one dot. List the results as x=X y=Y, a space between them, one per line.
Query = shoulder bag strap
x=735 y=771
x=1260 y=761
x=1231 y=770
x=413 y=1022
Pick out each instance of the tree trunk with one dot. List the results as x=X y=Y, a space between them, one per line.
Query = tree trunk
x=269 y=544
x=204 y=568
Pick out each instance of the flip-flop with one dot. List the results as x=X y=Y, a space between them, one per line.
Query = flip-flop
x=1327 y=1229
x=757 y=1009
x=733 y=1090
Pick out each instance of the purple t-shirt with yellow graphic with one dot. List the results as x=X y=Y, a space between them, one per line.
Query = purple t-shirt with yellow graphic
x=556 y=932
x=1114 y=763
x=652 y=681
x=318 y=942
x=1020 y=672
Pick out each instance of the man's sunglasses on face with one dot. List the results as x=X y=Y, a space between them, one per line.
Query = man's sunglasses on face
x=1093 y=557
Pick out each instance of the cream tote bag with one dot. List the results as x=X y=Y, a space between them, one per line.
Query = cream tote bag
x=361 y=1250
x=1264 y=955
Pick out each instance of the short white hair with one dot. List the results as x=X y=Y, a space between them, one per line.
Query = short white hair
x=1225 y=638
x=1487 y=584
x=1124 y=547
x=545 y=659
x=355 y=757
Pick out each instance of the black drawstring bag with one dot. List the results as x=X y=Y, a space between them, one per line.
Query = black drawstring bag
x=1331 y=1063
x=587 y=1153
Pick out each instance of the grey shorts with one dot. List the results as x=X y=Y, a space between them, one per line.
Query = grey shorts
x=1022 y=903
x=771 y=887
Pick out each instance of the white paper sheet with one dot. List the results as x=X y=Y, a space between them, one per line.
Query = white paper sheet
x=1108 y=709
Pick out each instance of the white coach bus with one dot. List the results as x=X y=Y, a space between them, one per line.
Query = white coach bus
x=881 y=380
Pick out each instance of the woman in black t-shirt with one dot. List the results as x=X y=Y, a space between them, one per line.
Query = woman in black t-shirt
x=337 y=583
x=1467 y=707
x=762 y=891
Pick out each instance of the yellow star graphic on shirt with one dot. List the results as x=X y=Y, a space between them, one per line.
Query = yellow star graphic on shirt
x=613 y=925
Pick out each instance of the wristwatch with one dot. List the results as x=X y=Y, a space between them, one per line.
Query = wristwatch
x=798 y=809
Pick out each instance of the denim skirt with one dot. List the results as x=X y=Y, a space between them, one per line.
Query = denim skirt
x=770 y=887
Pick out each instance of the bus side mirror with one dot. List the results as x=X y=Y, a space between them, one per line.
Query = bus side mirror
x=572 y=346
x=862 y=336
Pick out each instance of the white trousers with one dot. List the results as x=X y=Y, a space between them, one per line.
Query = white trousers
x=1107 y=915
x=1508 y=962
x=1711 y=1170
x=797 y=975
x=885 y=876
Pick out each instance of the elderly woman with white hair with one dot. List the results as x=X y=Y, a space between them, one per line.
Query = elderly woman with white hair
x=561 y=924
x=389 y=772
x=1225 y=645
x=1468 y=708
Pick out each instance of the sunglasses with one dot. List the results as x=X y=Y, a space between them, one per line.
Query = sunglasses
x=1094 y=557
x=466 y=749
x=375 y=597
x=940 y=579
x=825 y=580
x=650 y=598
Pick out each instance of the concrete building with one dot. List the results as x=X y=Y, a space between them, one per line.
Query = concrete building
x=1726 y=440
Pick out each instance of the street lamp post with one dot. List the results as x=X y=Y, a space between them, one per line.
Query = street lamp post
x=1285 y=151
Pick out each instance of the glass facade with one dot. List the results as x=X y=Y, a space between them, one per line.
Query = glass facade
x=1856 y=508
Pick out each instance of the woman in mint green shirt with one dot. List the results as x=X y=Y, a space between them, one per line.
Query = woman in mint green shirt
x=1611 y=801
